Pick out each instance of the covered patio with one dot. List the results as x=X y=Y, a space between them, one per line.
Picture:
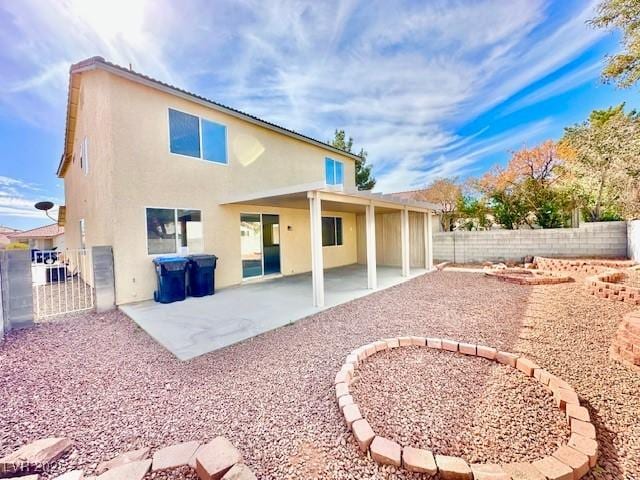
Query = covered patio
x=200 y=325
x=392 y=238
x=391 y=231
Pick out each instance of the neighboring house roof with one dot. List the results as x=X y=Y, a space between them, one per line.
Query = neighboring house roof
x=408 y=194
x=415 y=195
x=4 y=232
x=100 y=63
x=5 y=229
x=47 y=231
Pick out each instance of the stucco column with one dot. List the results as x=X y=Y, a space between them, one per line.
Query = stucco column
x=372 y=271
x=317 y=262
x=428 y=241
x=404 y=240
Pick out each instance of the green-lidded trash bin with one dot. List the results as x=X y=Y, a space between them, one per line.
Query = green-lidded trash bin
x=202 y=275
x=172 y=283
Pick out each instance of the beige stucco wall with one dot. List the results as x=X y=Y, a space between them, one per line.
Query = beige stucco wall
x=131 y=168
x=388 y=239
x=90 y=197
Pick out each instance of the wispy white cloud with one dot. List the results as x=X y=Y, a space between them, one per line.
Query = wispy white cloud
x=47 y=37
x=18 y=197
x=416 y=172
x=400 y=77
x=564 y=84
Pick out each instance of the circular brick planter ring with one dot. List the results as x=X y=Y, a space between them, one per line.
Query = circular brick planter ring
x=523 y=276
x=573 y=460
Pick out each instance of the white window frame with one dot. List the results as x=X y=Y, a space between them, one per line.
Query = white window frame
x=83 y=234
x=84 y=155
x=335 y=230
x=335 y=162
x=201 y=157
x=262 y=275
x=176 y=251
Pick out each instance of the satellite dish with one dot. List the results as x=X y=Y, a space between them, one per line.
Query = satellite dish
x=44 y=206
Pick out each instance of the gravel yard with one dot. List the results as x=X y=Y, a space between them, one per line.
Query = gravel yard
x=460 y=406
x=103 y=382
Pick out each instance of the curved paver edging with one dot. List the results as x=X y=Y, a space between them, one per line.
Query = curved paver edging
x=527 y=276
x=594 y=265
x=574 y=459
x=606 y=285
x=217 y=459
x=626 y=345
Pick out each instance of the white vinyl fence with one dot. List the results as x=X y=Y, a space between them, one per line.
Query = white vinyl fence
x=62 y=281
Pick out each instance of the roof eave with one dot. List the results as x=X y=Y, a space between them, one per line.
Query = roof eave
x=98 y=62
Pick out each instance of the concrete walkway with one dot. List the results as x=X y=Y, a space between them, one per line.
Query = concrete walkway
x=200 y=325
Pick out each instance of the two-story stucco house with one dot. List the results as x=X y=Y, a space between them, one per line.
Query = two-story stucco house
x=151 y=169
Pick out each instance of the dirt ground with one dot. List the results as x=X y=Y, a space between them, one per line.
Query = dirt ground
x=106 y=384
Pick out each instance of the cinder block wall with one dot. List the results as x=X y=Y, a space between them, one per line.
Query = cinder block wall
x=601 y=239
x=633 y=240
x=17 y=293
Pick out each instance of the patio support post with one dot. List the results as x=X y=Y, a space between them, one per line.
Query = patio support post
x=404 y=240
x=428 y=241
x=372 y=274
x=317 y=263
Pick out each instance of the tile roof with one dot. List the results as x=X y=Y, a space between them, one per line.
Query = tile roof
x=45 y=231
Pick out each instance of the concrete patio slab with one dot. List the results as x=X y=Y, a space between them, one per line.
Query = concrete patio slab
x=200 y=325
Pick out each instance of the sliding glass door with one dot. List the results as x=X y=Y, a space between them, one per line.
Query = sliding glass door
x=259 y=244
x=251 y=245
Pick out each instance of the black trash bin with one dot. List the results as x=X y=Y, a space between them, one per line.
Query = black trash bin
x=172 y=284
x=202 y=275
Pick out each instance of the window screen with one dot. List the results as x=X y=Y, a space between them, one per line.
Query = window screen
x=184 y=133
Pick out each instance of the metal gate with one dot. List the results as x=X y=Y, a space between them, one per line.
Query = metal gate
x=62 y=281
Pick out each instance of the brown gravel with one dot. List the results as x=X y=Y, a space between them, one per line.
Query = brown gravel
x=104 y=383
x=459 y=406
x=570 y=333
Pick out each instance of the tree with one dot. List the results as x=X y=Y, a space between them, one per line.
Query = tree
x=601 y=160
x=446 y=193
x=624 y=67
x=364 y=176
x=474 y=213
x=508 y=209
x=524 y=192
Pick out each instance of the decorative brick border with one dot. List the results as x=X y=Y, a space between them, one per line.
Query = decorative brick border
x=583 y=266
x=626 y=345
x=604 y=285
x=573 y=460
x=217 y=459
x=533 y=277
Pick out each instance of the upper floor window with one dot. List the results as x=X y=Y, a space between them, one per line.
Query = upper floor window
x=184 y=133
x=196 y=137
x=333 y=172
x=84 y=155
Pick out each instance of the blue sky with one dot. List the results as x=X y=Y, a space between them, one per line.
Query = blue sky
x=429 y=89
